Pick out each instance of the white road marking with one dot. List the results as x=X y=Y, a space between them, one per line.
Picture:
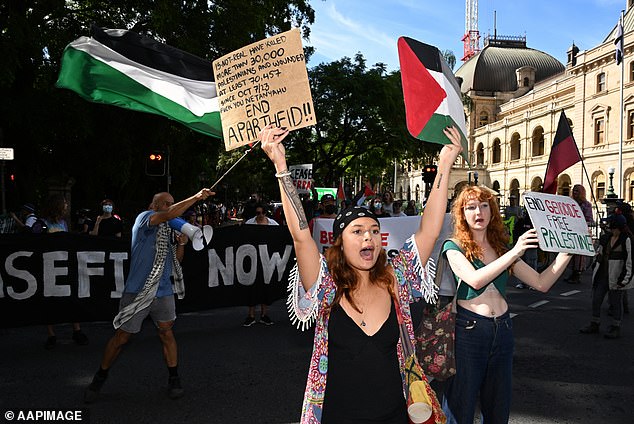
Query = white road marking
x=570 y=293
x=538 y=304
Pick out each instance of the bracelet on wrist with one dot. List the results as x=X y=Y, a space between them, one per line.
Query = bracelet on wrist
x=182 y=244
x=283 y=173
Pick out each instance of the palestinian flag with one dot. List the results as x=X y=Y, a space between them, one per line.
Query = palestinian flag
x=122 y=68
x=432 y=95
x=563 y=154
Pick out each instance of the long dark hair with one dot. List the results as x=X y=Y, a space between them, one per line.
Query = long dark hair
x=347 y=279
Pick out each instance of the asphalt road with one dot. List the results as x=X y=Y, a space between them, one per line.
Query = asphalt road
x=233 y=374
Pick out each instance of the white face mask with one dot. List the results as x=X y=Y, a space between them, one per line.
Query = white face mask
x=107 y=208
x=377 y=205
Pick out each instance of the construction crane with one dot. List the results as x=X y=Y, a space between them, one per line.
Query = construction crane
x=471 y=37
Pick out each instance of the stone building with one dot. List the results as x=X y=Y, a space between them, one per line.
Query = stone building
x=515 y=96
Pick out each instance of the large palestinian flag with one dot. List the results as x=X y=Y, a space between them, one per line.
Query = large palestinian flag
x=122 y=68
x=431 y=92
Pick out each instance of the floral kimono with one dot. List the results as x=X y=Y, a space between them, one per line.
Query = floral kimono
x=414 y=282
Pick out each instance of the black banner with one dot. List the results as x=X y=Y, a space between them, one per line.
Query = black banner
x=62 y=277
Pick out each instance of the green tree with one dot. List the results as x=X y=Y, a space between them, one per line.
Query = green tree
x=60 y=138
x=360 y=128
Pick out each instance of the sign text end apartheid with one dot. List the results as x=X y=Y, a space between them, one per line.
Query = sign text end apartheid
x=263 y=83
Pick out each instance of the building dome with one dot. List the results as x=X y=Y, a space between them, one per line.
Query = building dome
x=493 y=68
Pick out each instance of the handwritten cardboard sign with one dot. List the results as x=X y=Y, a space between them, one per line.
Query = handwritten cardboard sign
x=263 y=83
x=302 y=176
x=560 y=224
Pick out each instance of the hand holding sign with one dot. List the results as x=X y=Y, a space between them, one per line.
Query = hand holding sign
x=271 y=138
x=528 y=240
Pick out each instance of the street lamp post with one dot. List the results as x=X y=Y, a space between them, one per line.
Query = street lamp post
x=611 y=198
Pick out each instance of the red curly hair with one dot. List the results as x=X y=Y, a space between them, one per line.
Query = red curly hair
x=346 y=277
x=497 y=234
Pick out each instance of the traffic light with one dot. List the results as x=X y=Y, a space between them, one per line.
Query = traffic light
x=155 y=163
x=429 y=173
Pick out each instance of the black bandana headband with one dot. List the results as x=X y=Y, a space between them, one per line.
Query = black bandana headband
x=348 y=215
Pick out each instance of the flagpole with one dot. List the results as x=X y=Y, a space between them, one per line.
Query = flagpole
x=621 y=113
x=234 y=165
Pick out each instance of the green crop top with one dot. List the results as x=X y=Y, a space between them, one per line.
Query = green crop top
x=465 y=291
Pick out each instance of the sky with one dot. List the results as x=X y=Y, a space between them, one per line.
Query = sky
x=372 y=27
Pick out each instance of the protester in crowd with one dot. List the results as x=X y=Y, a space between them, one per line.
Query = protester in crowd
x=579 y=261
x=411 y=209
x=625 y=209
x=248 y=211
x=328 y=209
x=388 y=202
x=148 y=288
x=54 y=214
x=355 y=294
x=396 y=208
x=479 y=257
x=612 y=275
x=377 y=208
x=259 y=219
x=191 y=218
x=84 y=223
x=107 y=224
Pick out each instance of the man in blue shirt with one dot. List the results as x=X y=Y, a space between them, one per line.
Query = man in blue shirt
x=148 y=289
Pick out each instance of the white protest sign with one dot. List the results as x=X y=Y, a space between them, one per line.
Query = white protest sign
x=263 y=83
x=560 y=224
x=394 y=232
x=302 y=176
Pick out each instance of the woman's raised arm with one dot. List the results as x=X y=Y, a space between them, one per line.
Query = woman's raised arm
x=431 y=222
x=305 y=248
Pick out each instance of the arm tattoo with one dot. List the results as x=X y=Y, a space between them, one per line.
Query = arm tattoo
x=288 y=187
x=439 y=180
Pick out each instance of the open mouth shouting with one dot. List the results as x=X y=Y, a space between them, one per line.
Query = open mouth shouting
x=367 y=253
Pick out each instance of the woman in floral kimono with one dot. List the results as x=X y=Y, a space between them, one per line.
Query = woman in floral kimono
x=358 y=298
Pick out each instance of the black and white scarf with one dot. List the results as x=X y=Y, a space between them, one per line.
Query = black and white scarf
x=145 y=297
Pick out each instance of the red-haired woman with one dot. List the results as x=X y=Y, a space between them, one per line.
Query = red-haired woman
x=481 y=263
x=355 y=294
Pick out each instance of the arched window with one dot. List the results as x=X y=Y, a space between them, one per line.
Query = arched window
x=526 y=81
x=601 y=82
x=632 y=71
x=496 y=153
x=409 y=193
x=480 y=154
x=417 y=193
x=496 y=186
x=538 y=141
x=515 y=146
x=484 y=118
x=514 y=193
x=537 y=184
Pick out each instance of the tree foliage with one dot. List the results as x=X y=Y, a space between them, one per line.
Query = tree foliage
x=62 y=140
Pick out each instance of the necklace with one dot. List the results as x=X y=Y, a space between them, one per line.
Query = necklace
x=365 y=304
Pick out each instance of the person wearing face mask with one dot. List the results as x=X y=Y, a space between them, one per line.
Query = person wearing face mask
x=328 y=207
x=377 y=208
x=106 y=224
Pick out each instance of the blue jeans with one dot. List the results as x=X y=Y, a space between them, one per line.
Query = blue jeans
x=484 y=367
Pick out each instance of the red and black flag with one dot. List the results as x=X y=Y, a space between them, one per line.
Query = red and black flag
x=563 y=154
x=432 y=95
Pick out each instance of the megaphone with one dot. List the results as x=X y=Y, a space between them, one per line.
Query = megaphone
x=200 y=237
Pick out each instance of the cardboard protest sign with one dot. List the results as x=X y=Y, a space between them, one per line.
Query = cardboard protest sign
x=560 y=224
x=263 y=83
x=302 y=176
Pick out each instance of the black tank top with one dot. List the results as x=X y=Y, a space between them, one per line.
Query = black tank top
x=364 y=382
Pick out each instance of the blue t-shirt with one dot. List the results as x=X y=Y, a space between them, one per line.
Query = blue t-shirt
x=142 y=257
